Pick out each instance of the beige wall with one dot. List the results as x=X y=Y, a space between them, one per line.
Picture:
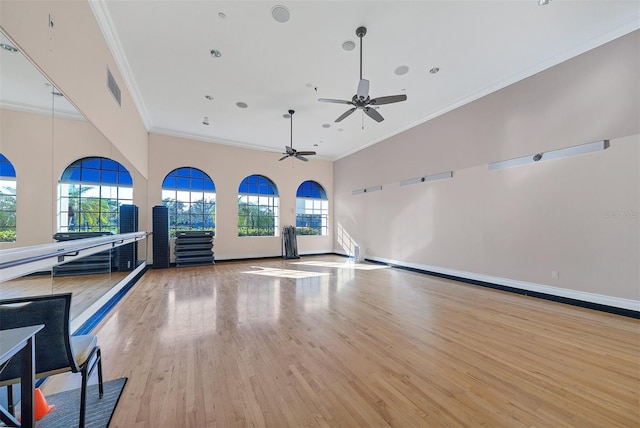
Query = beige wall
x=228 y=166
x=577 y=216
x=514 y=225
x=40 y=147
x=74 y=56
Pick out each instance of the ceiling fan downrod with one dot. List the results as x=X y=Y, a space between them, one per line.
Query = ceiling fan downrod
x=291 y=133
x=360 y=32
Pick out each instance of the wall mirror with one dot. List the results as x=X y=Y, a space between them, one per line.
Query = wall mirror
x=41 y=135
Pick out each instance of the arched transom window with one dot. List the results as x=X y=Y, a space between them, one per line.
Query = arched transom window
x=190 y=196
x=258 y=209
x=312 y=209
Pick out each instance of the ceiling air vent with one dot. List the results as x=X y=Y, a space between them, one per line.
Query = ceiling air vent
x=113 y=87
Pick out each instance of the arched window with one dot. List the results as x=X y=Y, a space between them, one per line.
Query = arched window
x=312 y=209
x=7 y=200
x=258 y=209
x=91 y=191
x=190 y=196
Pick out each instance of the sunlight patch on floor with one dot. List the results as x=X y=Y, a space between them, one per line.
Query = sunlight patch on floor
x=345 y=265
x=284 y=273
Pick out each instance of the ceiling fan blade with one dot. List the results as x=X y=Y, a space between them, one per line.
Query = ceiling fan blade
x=373 y=114
x=302 y=158
x=284 y=157
x=306 y=153
x=345 y=114
x=330 y=100
x=363 y=89
x=388 y=100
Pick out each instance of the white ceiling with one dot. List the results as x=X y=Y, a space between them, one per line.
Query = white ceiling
x=163 y=48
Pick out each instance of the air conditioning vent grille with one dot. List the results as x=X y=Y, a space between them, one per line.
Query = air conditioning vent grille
x=113 y=87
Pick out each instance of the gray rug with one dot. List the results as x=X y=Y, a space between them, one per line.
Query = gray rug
x=99 y=411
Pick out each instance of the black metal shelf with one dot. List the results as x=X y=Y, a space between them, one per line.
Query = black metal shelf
x=96 y=263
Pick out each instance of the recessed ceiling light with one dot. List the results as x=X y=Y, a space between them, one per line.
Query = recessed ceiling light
x=434 y=70
x=280 y=14
x=241 y=104
x=348 y=45
x=205 y=121
x=222 y=15
x=326 y=125
x=315 y=145
x=8 y=47
x=403 y=69
x=209 y=97
x=216 y=53
x=543 y=2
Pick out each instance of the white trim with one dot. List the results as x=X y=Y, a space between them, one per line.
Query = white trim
x=25 y=108
x=600 y=299
x=77 y=322
x=247 y=256
x=222 y=141
x=101 y=13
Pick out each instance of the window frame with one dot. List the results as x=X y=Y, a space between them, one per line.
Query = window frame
x=315 y=207
x=187 y=182
x=261 y=192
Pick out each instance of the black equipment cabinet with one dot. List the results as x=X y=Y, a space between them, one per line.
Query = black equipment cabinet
x=194 y=248
x=92 y=264
x=128 y=254
x=161 y=254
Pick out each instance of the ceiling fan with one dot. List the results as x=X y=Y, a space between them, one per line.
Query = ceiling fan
x=361 y=99
x=290 y=151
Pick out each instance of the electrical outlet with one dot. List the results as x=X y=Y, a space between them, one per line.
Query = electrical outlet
x=555 y=274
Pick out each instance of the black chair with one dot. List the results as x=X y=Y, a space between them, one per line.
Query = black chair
x=56 y=351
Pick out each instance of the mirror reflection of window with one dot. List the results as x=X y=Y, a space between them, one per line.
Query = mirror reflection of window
x=7 y=200
x=91 y=191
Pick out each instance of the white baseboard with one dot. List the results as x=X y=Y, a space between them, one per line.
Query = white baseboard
x=266 y=255
x=599 y=299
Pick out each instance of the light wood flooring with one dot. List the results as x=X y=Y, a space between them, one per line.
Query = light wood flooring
x=86 y=289
x=270 y=343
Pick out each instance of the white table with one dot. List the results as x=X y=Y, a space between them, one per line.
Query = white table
x=21 y=341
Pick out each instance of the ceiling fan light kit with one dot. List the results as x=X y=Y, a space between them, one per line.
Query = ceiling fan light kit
x=361 y=100
x=290 y=151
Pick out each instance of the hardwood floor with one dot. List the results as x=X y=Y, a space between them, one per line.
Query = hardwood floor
x=326 y=343
x=86 y=289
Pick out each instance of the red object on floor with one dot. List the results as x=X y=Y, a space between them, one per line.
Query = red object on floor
x=41 y=408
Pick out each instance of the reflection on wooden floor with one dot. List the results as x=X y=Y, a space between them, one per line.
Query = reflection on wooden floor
x=218 y=346
x=86 y=289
